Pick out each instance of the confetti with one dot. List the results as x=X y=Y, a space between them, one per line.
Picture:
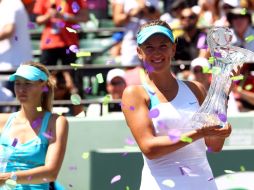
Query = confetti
x=59 y=9
x=236 y=78
x=248 y=87
x=242 y=168
x=210 y=179
x=209 y=149
x=154 y=113
x=75 y=65
x=67 y=51
x=186 y=139
x=217 y=54
x=132 y=108
x=229 y=171
x=75 y=99
x=72 y=168
x=75 y=7
x=45 y=89
x=36 y=122
x=174 y=135
x=249 y=38
x=85 y=155
x=39 y=109
x=222 y=117
x=47 y=135
x=169 y=183
x=185 y=170
x=74 y=48
x=84 y=54
x=88 y=90
x=129 y=141
x=48 y=40
x=211 y=60
x=127 y=188
x=148 y=67
x=14 y=143
x=71 y=30
x=16 y=38
x=206 y=69
x=31 y=25
x=106 y=100
x=99 y=78
x=29 y=177
x=76 y=26
x=201 y=41
x=216 y=70
x=115 y=179
x=110 y=62
x=243 y=11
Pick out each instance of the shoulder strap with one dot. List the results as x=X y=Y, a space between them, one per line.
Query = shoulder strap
x=151 y=93
x=45 y=122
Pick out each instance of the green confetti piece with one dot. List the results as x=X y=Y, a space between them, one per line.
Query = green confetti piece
x=127 y=188
x=229 y=171
x=243 y=11
x=242 y=168
x=83 y=54
x=75 y=99
x=106 y=99
x=85 y=155
x=211 y=60
x=216 y=70
x=250 y=38
x=99 y=78
x=71 y=30
x=39 y=109
x=169 y=183
x=206 y=69
x=239 y=88
x=186 y=139
x=76 y=65
x=248 y=87
x=236 y=78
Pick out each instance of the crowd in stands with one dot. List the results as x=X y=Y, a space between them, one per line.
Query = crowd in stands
x=190 y=21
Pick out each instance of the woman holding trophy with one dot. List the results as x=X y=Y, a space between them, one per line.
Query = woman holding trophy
x=158 y=113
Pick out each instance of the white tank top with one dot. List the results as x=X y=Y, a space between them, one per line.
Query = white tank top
x=187 y=167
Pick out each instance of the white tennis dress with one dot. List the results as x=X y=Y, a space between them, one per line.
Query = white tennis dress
x=187 y=168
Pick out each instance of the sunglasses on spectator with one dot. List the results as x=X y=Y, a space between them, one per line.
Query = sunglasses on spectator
x=189 y=17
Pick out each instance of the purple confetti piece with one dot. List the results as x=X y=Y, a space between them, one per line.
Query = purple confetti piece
x=222 y=117
x=59 y=8
x=29 y=178
x=45 y=89
x=210 y=179
x=129 y=141
x=185 y=170
x=36 y=122
x=148 y=67
x=132 y=108
x=174 y=135
x=88 y=90
x=60 y=24
x=74 y=48
x=71 y=168
x=76 y=26
x=201 y=41
x=110 y=62
x=67 y=51
x=209 y=149
x=16 y=38
x=115 y=179
x=14 y=143
x=47 y=135
x=154 y=113
x=48 y=40
x=75 y=7
x=31 y=25
x=125 y=154
x=217 y=54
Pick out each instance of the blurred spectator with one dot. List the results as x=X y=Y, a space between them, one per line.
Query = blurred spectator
x=98 y=7
x=115 y=85
x=192 y=43
x=29 y=5
x=241 y=24
x=199 y=72
x=130 y=14
x=172 y=16
x=56 y=41
x=15 y=44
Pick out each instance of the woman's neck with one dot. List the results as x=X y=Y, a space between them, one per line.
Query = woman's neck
x=30 y=113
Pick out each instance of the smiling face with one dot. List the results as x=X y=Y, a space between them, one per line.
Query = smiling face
x=157 y=51
x=28 y=91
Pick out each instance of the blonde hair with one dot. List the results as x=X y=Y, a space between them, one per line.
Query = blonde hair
x=48 y=95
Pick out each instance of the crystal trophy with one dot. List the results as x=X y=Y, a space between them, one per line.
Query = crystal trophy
x=226 y=57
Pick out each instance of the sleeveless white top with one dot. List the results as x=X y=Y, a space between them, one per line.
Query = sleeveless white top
x=186 y=168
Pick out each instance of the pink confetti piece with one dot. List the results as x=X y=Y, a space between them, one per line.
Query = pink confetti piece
x=47 y=135
x=88 y=90
x=45 y=89
x=75 y=7
x=129 y=141
x=132 y=108
x=148 y=67
x=36 y=122
x=14 y=143
x=76 y=27
x=59 y=8
x=222 y=117
x=174 y=135
x=31 y=25
x=48 y=40
x=74 y=48
x=115 y=179
x=154 y=113
x=217 y=54
x=201 y=41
